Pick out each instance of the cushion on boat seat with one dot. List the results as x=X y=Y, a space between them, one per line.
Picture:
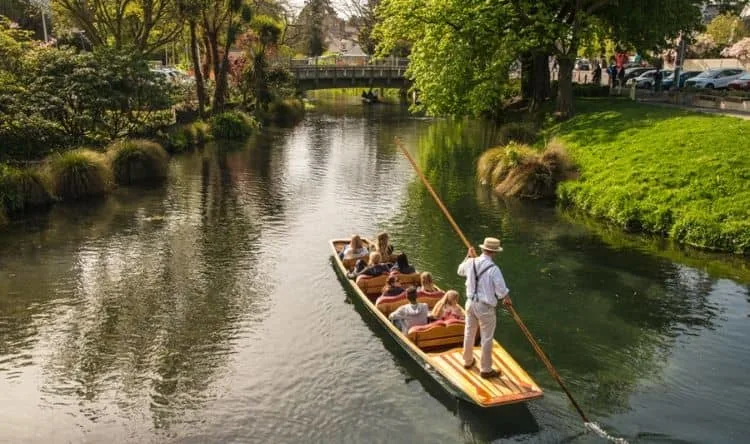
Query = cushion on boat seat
x=372 y=285
x=438 y=334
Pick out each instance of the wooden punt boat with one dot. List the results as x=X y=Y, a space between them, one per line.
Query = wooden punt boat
x=438 y=347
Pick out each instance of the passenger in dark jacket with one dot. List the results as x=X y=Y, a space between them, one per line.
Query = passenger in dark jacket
x=402 y=265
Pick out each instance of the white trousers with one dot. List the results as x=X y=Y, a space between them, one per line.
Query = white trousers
x=482 y=316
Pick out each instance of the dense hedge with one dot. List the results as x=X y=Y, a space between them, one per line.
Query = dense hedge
x=233 y=125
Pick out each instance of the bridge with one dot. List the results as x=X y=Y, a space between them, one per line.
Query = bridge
x=384 y=73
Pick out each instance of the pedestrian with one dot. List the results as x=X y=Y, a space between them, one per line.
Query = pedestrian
x=485 y=286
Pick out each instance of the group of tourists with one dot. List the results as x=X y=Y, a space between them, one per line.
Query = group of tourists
x=485 y=288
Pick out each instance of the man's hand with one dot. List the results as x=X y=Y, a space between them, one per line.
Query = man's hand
x=507 y=302
x=471 y=252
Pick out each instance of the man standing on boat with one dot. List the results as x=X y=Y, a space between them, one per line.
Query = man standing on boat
x=485 y=286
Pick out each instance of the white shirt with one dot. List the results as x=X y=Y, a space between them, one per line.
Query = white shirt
x=491 y=283
x=411 y=315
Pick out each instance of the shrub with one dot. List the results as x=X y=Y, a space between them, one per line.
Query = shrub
x=232 y=125
x=21 y=189
x=178 y=140
x=136 y=161
x=590 y=90
x=286 y=112
x=78 y=174
x=202 y=132
x=520 y=171
x=521 y=132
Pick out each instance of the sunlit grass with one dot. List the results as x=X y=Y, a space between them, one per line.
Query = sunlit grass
x=661 y=170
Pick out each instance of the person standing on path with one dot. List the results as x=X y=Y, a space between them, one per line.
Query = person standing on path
x=485 y=286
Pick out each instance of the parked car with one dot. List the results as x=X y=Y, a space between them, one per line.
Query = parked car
x=636 y=71
x=714 y=78
x=648 y=78
x=668 y=82
x=743 y=82
x=583 y=65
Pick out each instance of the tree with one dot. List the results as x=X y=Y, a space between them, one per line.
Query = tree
x=310 y=26
x=190 y=11
x=462 y=50
x=740 y=50
x=145 y=25
x=726 y=29
x=222 y=19
x=362 y=15
x=259 y=43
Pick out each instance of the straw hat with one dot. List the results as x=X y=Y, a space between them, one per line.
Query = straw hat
x=491 y=244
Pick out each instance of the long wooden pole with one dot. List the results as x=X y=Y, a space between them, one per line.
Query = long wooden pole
x=534 y=344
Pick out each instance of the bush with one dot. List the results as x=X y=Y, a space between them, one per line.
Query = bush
x=78 y=174
x=21 y=189
x=185 y=137
x=517 y=170
x=202 y=132
x=232 y=125
x=136 y=161
x=286 y=112
x=520 y=132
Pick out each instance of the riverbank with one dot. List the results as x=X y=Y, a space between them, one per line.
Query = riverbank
x=682 y=174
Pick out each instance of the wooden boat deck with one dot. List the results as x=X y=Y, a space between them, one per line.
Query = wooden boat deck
x=514 y=385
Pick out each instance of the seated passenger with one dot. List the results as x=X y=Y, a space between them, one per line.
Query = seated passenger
x=353 y=249
x=447 y=307
x=392 y=286
x=375 y=268
x=402 y=265
x=383 y=247
x=427 y=284
x=412 y=314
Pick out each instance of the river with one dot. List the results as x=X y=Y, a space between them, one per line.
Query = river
x=208 y=309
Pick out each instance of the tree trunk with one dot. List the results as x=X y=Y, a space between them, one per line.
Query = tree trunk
x=564 y=105
x=220 y=93
x=199 y=88
x=209 y=61
x=540 y=88
x=527 y=76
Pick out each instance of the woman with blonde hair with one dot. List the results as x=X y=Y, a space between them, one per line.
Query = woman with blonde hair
x=354 y=249
x=427 y=284
x=383 y=247
x=447 y=307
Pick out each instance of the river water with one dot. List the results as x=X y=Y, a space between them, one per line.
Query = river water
x=208 y=309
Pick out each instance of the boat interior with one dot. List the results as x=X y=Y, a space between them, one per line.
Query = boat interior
x=435 y=336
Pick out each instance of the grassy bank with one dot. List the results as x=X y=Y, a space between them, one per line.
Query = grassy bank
x=661 y=170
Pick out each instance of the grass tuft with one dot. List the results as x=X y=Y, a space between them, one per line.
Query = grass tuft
x=137 y=161
x=233 y=125
x=517 y=170
x=21 y=189
x=78 y=174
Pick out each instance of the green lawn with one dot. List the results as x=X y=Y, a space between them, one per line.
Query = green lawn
x=661 y=170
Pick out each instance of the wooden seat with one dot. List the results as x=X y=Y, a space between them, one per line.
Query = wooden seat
x=389 y=304
x=438 y=334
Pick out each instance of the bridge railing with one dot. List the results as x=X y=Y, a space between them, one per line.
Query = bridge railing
x=347 y=61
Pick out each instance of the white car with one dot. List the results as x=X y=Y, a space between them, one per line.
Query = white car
x=714 y=78
x=648 y=79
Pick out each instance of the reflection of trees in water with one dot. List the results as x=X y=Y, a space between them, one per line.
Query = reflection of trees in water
x=159 y=306
x=606 y=318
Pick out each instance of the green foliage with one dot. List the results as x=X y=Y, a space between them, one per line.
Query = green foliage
x=233 y=125
x=185 y=137
x=137 y=161
x=661 y=171
x=21 y=189
x=78 y=174
x=54 y=98
x=285 y=112
x=521 y=132
x=726 y=29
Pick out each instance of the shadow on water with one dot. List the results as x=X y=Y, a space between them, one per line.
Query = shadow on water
x=478 y=424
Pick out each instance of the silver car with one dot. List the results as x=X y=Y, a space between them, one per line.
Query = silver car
x=714 y=78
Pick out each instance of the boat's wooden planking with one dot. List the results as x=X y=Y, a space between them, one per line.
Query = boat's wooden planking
x=515 y=385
